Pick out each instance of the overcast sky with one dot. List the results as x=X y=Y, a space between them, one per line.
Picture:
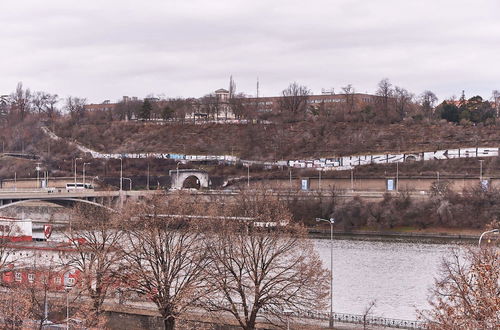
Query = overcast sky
x=109 y=48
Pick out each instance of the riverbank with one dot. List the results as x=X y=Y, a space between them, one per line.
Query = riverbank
x=429 y=235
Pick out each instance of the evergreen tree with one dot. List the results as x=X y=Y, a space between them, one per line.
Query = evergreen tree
x=146 y=109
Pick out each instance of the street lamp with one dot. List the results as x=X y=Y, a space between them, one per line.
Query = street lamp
x=481 y=171
x=177 y=167
x=130 y=180
x=248 y=175
x=493 y=231
x=38 y=168
x=319 y=180
x=121 y=174
x=397 y=176
x=75 y=169
x=331 y=221
x=84 y=173
x=287 y=313
x=67 y=288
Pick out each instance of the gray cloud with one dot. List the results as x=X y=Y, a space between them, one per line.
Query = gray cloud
x=106 y=49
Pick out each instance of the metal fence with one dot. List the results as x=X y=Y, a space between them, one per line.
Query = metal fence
x=362 y=319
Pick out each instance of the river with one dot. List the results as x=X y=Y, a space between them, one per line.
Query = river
x=397 y=275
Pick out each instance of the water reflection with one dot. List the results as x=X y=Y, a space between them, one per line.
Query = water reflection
x=398 y=275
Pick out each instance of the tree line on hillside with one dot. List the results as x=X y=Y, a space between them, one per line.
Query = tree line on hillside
x=389 y=104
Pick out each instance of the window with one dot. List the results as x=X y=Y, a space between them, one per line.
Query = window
x=31 y=278
x=57 y=280
x=18 y=276
x=70 y=281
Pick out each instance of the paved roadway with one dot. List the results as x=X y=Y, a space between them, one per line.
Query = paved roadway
x=19 y=194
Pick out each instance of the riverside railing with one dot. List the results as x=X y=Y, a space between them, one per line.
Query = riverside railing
x=362 y=319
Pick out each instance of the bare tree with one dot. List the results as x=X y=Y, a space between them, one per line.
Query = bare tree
x=165 y=256
x=258 y=272
x=367 y=312
x=385 y=92
x=44 y=103
x=294 y=99
x=240 y=106
x=428 y=101
x=76 y=107
x=39 y=291
x=466 y=295
x=7 y=231
x=95 y=237
x=403 y=99
x=349 y=97
x=211 y=105
x=15 y=308
x=21 y=101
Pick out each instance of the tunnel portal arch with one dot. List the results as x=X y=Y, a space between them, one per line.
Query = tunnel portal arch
x=186 y=178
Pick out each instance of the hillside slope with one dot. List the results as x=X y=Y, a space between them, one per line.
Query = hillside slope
x=274 y=142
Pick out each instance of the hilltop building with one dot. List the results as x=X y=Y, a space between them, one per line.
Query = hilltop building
x=223 y=105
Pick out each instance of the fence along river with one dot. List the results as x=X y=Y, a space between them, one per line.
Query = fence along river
x=397 y=275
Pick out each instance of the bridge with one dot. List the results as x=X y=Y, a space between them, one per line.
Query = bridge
x=111 y=199
x=63 y=197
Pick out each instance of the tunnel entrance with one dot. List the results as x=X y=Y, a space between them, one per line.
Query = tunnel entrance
x=191 y=182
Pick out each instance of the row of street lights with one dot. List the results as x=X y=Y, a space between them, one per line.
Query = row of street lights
x=83 y=171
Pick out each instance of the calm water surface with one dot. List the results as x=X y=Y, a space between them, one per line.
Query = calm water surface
x=397 y=275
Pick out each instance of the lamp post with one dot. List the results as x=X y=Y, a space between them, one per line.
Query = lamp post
x=397 y=177
x=493 y=231
x=177 y=168
x=331 y=221
x=121 y=174
x=147 y=181
x=83 y=173
x=67 y=288
x=287 y=313
x=319 y=180
x=248 y=175
x=481 y=171
x=75 y=170
x=38 y=174
x=130 y=180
